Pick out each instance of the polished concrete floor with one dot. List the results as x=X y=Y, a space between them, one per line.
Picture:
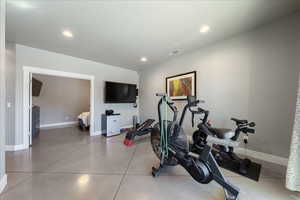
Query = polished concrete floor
x=67 y=164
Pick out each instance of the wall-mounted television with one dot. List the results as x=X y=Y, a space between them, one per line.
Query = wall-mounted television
x=36 y=87
x=119 y=92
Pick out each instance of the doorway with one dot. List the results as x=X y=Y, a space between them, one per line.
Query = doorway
x=28 y=103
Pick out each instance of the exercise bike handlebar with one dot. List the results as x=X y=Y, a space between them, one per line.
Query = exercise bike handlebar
x=243 y=122
x=243 y=127
x=252 y=124
x=250 y=130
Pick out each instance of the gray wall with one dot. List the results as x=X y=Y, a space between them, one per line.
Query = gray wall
x=62 y=99
x=10 y=62
x=27 y=56
x=2 y=88
x=252 y=76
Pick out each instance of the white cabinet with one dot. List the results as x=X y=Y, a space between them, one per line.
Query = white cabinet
x=111 y=124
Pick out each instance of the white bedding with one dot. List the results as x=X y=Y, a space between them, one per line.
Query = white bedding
x=85 y=117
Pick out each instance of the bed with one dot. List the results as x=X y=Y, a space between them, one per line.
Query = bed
x=84 y=121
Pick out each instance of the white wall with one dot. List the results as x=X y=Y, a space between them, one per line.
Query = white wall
x=27 y=56
x=2 y=94
x=10 y=72
x=252 y=76
x=61 y=104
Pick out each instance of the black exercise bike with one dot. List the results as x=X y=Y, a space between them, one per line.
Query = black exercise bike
x=170 y=144
x=223 y=149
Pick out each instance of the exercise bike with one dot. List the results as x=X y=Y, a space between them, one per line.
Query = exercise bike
x=225 y=154
x=171 y=146
x=224 y=141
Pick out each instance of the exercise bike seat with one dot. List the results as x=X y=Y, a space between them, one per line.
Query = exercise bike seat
x=223 y=133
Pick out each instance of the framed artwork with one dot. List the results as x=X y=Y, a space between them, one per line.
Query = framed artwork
x=182 y=85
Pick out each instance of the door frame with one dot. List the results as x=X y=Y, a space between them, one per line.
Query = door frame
x=27 y=70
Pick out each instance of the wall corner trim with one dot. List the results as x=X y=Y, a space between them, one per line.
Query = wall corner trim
x=263 y=156
x=3 y=183
x=15 y=147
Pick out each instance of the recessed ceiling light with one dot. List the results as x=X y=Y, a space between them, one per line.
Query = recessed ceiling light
x=22 y=4
x=144 y=59
x=67 y=34
x=204 y=29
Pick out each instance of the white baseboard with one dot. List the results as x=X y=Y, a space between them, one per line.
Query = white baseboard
x=15 y=147
x=126 y=126
x=258 y=155
x=55 y=125
x=263 y=156
x=96 y=133
x=3 y=183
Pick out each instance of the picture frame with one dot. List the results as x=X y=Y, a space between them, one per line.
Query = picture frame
x=180 y=86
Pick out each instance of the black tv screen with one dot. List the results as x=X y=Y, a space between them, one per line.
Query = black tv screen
x=36 y=87
x=119 y=92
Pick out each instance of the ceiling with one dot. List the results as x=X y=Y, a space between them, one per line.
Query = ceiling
x=121 y=32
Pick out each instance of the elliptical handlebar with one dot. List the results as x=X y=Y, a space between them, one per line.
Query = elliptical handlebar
x=199 y=110
x=195 y=103
x=192 y=102
x=161 y=94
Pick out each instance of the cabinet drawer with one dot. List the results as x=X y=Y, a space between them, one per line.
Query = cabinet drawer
x=113 y=125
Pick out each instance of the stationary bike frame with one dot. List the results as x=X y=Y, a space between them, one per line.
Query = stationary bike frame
x=222 y=150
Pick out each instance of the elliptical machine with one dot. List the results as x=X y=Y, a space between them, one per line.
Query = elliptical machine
x=171 y=146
